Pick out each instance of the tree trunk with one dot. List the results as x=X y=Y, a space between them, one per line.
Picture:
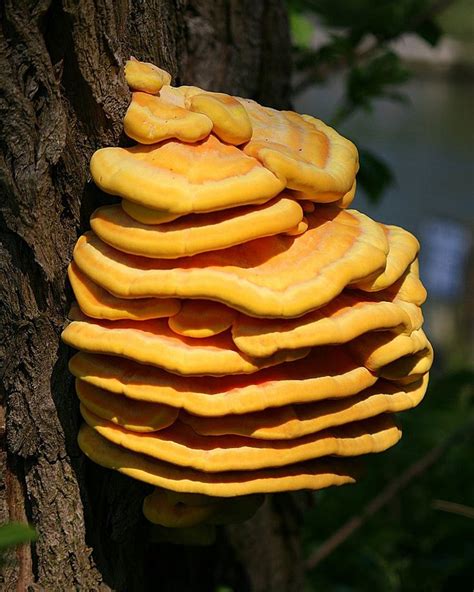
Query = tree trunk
x=63 y=95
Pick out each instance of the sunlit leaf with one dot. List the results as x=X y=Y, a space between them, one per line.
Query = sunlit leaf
x=15 y=533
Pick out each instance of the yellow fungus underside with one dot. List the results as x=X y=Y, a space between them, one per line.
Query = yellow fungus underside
x=378 y=349
x=403 y=249
x=281 y=423
x=147 y=215
x=348 y=316
x=180 y=445
x=408 y=368
x=295 y=421
x=310 y=475
x=326 y=373
x=136 y=416
x=409 y=287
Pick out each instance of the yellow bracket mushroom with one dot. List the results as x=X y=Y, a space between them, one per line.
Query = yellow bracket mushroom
x=238 y=327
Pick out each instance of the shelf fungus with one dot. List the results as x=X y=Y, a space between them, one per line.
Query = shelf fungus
x=240 y=331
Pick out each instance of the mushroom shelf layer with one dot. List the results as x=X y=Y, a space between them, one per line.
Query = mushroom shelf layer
x=281 y=423
x=196 y=233
x=260 y=277
x=153 y=342
x=324 y=373
x=180 y=445
x=316 y=474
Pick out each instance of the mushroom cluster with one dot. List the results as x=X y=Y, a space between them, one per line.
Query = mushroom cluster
x=240 y=331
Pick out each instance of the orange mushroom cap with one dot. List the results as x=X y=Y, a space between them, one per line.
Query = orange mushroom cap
x=151 y=119
x=305 y=153
x=145 y=76
x=180 y=178
x=196 y=233
x=230 y=120
x=259 y=277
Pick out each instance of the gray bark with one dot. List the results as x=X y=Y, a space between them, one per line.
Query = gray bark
x=62 y=96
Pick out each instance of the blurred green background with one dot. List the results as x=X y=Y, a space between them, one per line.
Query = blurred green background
x=397 y=78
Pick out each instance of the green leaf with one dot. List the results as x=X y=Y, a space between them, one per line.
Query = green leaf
x=302 y=30
x=374 y=176
x=375 y=79
x=15 y=533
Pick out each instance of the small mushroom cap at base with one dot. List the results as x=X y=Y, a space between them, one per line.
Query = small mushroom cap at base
x=326 y=373
x=145 y=76
x=295 y=421
x=195 y=233
x=153 y=342
x=180 y=178
x=260 y=277
x=169 y=509
x=160 y=508
x=180 y=445
x=97 y=303
x=313 y=475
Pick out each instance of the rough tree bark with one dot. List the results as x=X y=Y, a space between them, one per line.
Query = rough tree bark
x=63 y=96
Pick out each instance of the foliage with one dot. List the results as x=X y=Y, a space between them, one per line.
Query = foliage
x=359 y=46
x=410 y=545
x=13 y=534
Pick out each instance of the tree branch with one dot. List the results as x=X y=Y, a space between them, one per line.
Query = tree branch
x=380 y=500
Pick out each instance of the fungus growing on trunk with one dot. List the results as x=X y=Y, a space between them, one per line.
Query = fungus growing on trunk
x=238 y=327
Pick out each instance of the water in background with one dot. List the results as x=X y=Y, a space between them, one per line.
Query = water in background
x=429 y=144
